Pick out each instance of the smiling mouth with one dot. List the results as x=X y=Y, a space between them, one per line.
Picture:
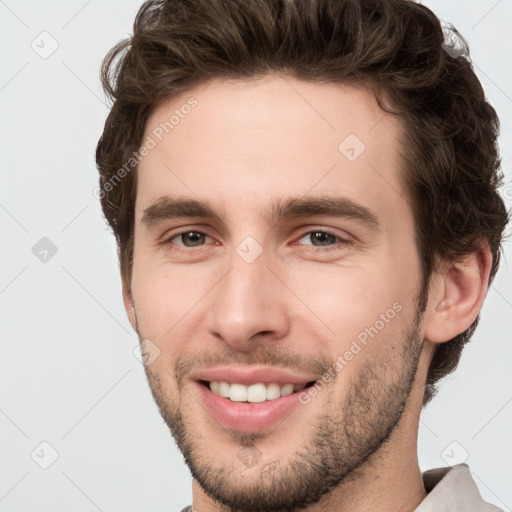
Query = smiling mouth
x=254 y=393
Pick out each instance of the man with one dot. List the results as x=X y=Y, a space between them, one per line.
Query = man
x=304 y=196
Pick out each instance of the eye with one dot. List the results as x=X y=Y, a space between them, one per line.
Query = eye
x=319 y=238
x=188 y=238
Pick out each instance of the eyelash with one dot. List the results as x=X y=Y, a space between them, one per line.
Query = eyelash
x=312 y=248
x=336 y=245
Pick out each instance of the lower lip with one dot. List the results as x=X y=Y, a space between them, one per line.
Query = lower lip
x=245 y=416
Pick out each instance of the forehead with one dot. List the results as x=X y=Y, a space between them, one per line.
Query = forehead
x=243 y=141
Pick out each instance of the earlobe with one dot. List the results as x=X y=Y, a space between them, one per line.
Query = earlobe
x=456 y=295
x=129 y=305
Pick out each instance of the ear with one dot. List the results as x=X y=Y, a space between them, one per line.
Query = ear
x=456 y=295
x=129 y=305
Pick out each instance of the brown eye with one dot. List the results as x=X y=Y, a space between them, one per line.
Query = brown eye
x=189 y=238
x=319 y=238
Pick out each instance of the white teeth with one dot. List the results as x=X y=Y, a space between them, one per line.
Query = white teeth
x=238 y=393
x=273 y=391
x=224 y=389
x=287 y=389
x=254 y=393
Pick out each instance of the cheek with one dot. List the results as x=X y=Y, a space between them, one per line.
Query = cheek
x=368 y=310
x=349 y=300
x=166 y=297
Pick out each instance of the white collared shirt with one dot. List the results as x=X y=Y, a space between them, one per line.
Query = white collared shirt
x=452 y=489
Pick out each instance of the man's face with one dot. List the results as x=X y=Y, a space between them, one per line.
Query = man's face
x=303 y=266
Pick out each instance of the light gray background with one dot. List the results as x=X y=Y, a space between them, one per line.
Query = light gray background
x=68 y=373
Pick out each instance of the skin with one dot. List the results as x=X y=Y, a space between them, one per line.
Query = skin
x=246 y=145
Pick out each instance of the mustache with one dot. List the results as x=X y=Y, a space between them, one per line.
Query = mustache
x=265 y=355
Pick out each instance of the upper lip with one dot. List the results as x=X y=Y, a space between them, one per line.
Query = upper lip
x=249 y=374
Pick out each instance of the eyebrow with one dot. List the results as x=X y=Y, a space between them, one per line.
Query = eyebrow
x=324 y=206
x=165 y=208
x=169 y=208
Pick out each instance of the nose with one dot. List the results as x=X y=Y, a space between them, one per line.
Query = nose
x=248 y=305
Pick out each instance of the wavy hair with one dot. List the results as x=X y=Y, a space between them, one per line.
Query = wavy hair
x=398 y=48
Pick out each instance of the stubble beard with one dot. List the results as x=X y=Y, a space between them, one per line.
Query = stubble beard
x=344 y=437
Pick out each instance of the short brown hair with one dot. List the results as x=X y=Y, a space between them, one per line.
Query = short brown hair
x=396 y=47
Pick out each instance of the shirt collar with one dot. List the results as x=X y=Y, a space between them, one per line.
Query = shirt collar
x=452 y=490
